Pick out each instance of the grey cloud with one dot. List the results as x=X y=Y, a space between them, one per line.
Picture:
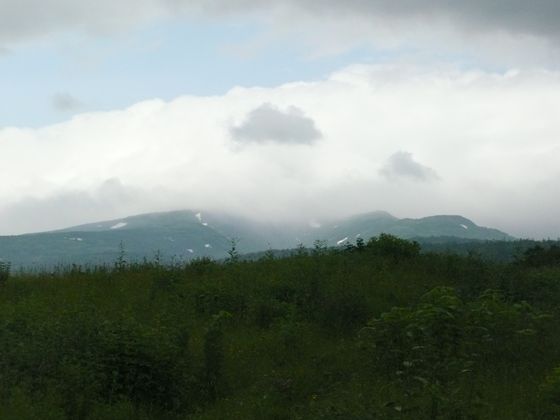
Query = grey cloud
x=517 y=16
x=538 y=17
x=268 y=123
x=403 y=165
x=65 y=102
x=20 y=19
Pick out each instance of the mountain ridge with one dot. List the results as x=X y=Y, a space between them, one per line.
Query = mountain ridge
x=188 y=234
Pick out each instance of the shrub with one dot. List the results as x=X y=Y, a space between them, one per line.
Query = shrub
x=214 y=355
x=202 y=265
x=537 y=286
x=390 y=246
x=539 y=256
x=211 y=301
x=137 y=367
x=550 y=395
x=428 y=349
x=265 y=311
x=344 y=312
x=84 y=360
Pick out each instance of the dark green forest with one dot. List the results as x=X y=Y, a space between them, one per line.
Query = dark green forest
x=377 y=330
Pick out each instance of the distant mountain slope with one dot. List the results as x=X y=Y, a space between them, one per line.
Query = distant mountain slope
x=187 y=234
x=373 y=224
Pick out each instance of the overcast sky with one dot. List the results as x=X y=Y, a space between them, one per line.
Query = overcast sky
x=303 y=110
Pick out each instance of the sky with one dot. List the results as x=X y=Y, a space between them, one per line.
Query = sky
x=298 y=111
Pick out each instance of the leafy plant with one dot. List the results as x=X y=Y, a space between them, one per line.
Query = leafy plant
x=430 y=350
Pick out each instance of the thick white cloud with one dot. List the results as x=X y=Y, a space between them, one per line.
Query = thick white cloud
x=492 y=138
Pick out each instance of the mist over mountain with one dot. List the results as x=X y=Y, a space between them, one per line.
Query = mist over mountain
x=188 y=234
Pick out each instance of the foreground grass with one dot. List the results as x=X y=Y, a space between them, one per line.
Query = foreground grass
x=378 y=331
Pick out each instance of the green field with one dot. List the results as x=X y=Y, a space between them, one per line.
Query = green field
x=374 y=331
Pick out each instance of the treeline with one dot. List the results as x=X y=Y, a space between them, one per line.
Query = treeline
x=373 y=330
x=491 y=250
x=498 y=251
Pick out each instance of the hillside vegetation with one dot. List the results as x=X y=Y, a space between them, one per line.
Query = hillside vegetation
x=376 y=330
x=186 y=235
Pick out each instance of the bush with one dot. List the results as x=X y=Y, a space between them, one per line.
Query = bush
x=549 y=396
x=214 y=355
x=137 y=367
x=203 y=265
x=211 y=301
x=344 y=312
x=537 y=286
x=84 y=360
x=265 y=311
x=390 y=246
x=429 y=350
x=539 y=256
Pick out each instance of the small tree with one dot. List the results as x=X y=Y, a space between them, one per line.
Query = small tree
x=320 y=247
x=269 y=254
x=360 y=243
x=233 y=253
x=4 y=272
x=121 y=262
x=301 y=250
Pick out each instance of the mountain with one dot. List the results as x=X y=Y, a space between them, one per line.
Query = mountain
x=183 y=235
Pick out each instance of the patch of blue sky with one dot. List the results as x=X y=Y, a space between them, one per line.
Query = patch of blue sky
x=165 y=60
x=27 y=76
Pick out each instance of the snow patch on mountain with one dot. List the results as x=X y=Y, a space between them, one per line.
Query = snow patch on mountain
x=342 y=241
x=119 y=225
x=199 y=218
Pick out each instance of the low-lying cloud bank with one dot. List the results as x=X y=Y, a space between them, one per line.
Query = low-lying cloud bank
x=404 y=139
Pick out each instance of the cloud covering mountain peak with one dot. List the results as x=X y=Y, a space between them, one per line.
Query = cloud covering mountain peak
x=492 y=137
